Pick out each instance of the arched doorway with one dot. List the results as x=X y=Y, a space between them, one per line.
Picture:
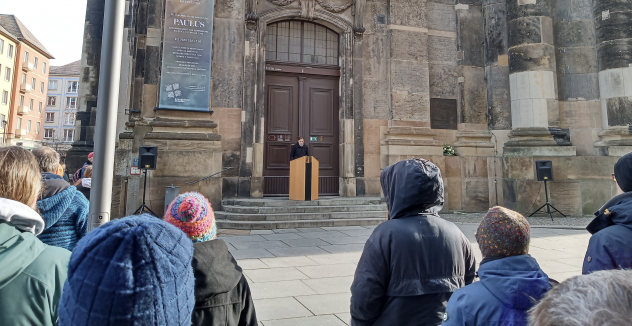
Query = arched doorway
x=301 y=99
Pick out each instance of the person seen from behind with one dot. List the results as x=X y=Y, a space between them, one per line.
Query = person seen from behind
x=299 y=149
x=603 y=298
x=79 y=174
x=85 y=184
x=222 y=294
x=411 y=264
x=611 y=241
x=63 y=208
x=131 y=271
x=32 y=273
x=511 y=281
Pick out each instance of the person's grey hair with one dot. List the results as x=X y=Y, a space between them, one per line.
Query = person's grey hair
x=47 y=158
x=602 y=298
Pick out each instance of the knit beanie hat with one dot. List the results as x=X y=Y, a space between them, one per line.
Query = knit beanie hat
x=131 y=271
x=192 y=213
x=503 y=233
x=91 y=155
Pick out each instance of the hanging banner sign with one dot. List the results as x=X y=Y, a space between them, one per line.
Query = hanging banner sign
x=185 y=78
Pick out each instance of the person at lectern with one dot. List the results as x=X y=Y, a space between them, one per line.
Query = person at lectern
x=299 y=149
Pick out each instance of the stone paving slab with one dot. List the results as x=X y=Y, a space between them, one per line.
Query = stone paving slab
x=323 y=304
x=288 y=261
x=325 y=320
x=279 y=308
x=310 y=285
x=297 y=251
x=306 y=242
x=280 y=289
x=275 y=274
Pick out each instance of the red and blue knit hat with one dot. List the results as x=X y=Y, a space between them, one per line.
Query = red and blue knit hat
x=192 y=213
x=503 y=233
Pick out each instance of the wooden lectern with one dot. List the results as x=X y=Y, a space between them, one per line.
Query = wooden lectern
x=304 y=178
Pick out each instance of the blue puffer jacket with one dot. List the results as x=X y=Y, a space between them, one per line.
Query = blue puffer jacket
x=509 y=287
x=66 y=218
x=609 y=246
x=411 y=264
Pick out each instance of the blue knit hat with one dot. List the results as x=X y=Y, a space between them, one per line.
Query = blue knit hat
x=131 y=271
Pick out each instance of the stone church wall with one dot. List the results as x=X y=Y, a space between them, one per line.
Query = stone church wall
x=414 y=75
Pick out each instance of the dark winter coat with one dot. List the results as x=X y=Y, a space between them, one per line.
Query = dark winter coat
x=298 y=151
x=411 y=264
x=609 y=246
x=65 y=212
x=222 y=295
x=508 y=288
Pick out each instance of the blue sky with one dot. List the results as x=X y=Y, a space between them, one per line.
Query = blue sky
x=57 y=24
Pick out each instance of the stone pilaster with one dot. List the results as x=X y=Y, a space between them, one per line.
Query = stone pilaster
x=402 y=143
x=614 y=54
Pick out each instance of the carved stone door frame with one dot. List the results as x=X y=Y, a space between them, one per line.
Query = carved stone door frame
x=350 y=115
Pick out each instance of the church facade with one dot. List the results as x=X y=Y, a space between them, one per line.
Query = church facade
x=369 y=83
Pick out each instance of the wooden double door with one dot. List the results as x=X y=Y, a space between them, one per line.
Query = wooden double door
x=300 y=105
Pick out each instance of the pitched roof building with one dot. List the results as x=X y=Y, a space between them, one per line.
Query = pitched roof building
x=26 y=109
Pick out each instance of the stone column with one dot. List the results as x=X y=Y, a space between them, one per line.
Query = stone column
x=614 y=54
x=473 y=137
x=532 y=79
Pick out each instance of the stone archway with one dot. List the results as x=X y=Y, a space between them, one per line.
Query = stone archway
x=351 y=164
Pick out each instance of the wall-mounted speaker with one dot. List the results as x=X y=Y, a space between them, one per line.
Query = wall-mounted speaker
x=147 y=157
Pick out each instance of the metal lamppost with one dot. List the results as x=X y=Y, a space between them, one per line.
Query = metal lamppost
x=107 y=105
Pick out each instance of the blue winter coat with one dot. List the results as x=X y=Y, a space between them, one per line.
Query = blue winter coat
x=508 y=288
x=610 y=246
x=66 y=218
x=412 y=263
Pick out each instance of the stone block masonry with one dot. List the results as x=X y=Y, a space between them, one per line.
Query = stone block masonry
x=504 y=82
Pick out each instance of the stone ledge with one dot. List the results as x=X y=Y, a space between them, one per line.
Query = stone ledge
x=183 y=136
x=540 y=151
x=173 y=123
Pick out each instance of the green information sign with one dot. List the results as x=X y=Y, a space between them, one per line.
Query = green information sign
x=313 y=138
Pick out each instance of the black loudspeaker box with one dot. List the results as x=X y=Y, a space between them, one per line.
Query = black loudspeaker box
x=544 y=170
x=147 y=157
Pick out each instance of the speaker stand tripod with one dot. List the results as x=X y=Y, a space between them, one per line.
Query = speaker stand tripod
x=548 y=205
x=144 y=208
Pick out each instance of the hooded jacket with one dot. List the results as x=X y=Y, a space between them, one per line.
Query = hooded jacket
x=32 y=274
x=53 y=184
x=411 y=264
x=222 y=295
x=609 y=246
x=66 y=217
x=508 y=288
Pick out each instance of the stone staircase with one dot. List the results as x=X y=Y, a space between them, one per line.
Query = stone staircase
x=282 y=213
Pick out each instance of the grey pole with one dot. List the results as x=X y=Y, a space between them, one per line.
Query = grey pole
x=107 y=107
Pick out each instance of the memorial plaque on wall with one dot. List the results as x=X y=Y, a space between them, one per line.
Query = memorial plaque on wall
x=443 y=114
x=185 y=79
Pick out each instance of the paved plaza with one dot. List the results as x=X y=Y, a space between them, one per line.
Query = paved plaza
x=303 y=276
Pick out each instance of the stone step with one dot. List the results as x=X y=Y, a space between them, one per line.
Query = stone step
x=301 y=209
x=284 y=202
x=269 y=225
x=300 y=216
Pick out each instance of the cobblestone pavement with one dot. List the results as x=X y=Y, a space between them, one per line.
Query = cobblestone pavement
x=302 y=276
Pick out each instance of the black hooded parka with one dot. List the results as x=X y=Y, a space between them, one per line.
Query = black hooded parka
x=412 y=263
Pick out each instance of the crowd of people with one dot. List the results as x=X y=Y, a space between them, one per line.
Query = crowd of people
x=415 y=269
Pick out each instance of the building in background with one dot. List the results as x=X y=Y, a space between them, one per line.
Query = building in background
x=8 y=44
x=29 y=85
x=61 y=106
